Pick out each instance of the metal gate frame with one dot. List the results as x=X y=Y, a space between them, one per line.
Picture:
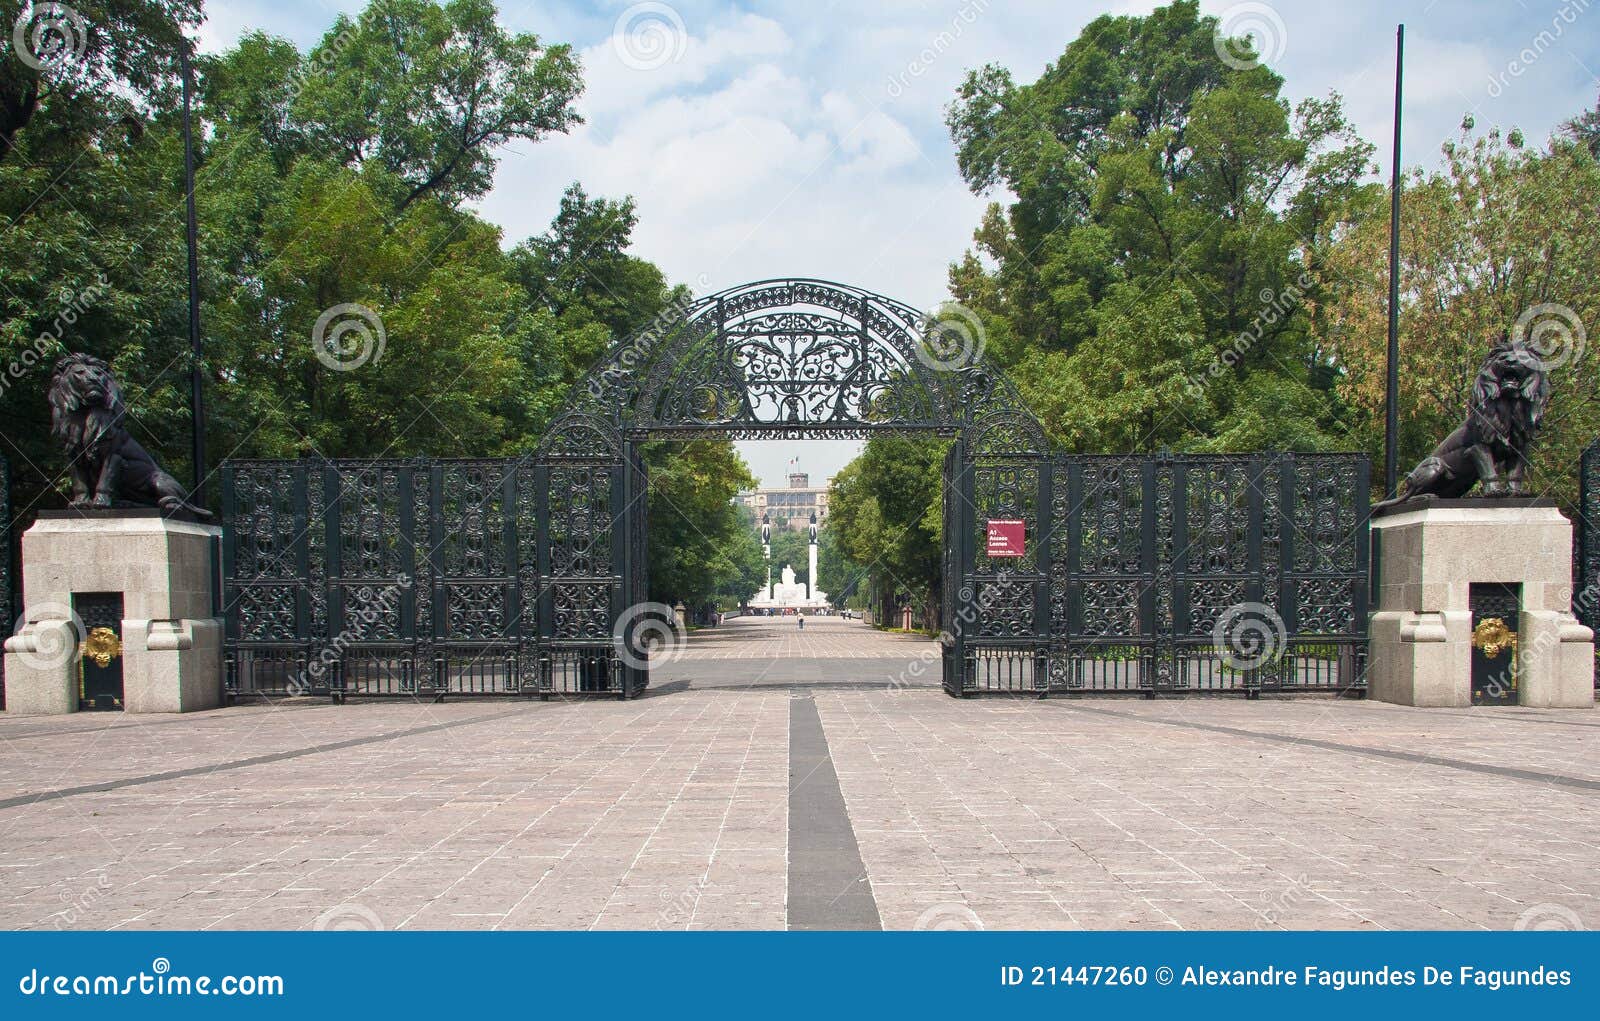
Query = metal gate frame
x=1170 y=573
x=415 y=578
x=8 y=601
x=1586 y=548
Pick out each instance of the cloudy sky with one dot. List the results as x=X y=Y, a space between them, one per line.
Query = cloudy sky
x=807 y=138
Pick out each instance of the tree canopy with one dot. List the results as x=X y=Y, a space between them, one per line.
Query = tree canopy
x=1167 y=206
x=353 y=305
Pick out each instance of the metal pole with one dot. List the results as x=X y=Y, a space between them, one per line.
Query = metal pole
x=197 y=395
x=1391 y=400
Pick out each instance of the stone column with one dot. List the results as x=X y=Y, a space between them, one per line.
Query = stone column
x=163 y=569
x=811 y=576
x=1429 y=553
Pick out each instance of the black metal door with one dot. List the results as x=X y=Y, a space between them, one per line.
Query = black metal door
x=584 y=540
x=100 y=649
x=7 y=613
x=1495 y=607
x=1002 y=606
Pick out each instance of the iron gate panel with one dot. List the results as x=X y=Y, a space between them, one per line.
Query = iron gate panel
x=1586 y=550
x=1152 y=558
x=382 y=577
x=8 y=612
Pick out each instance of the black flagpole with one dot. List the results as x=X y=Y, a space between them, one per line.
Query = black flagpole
x=1391 y=402
x=197 y=393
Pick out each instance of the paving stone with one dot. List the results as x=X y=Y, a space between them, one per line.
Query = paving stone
x=672 y=811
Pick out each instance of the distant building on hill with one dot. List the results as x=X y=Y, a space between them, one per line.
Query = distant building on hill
x=790 y=507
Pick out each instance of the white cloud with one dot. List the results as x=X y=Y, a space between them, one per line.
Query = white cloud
x=625 y=69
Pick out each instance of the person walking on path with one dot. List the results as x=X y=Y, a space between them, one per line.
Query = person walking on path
x=802 y=618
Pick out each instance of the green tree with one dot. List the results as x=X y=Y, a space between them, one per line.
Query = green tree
x=91 y=242
x=1502 y=234
x=698 y=536
x=1168 y=205
x=429 y=92
x=99 y=60
x=840 y=576
x=1585 y=130
x=887 y=508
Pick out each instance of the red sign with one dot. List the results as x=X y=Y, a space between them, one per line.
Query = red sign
x=1005 y=537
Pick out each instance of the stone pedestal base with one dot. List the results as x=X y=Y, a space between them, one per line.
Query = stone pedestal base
x=171 y=644
x=1421 y=659
x=1429 y=553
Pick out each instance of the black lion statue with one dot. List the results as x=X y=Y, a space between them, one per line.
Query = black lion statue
x=108 y=466
x=1491 y=446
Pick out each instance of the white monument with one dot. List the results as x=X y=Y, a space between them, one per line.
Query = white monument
x=789 y=594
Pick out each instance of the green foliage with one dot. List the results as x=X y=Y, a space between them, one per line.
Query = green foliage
x=886 y=512
x=427 y=93
x=120 y=60
x=329 y=178
x=1585 y=130
x=1167 y=207
x=1503 y=233
x=703 y=548
x=838 y=575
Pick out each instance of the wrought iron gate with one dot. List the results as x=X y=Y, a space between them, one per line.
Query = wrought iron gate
x=1586 y=548
x=419 y=578
x=1180 y=574
x=428 y=578
x=8 y=603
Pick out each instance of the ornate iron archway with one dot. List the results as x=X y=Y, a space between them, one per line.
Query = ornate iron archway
x=526 y=576
x=789 y=359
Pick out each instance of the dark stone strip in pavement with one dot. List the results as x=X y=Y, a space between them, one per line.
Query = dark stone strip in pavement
x=257 y=760
x=1511 y=772
x=828 y=887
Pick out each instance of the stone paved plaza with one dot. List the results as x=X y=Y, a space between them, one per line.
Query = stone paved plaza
x=776 y=779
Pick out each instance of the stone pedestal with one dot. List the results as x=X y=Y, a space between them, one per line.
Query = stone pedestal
x=1428 y=553
x=171 y=644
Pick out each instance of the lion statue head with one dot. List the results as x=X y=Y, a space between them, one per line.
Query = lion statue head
x=82 y=389
x=1510 y=395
